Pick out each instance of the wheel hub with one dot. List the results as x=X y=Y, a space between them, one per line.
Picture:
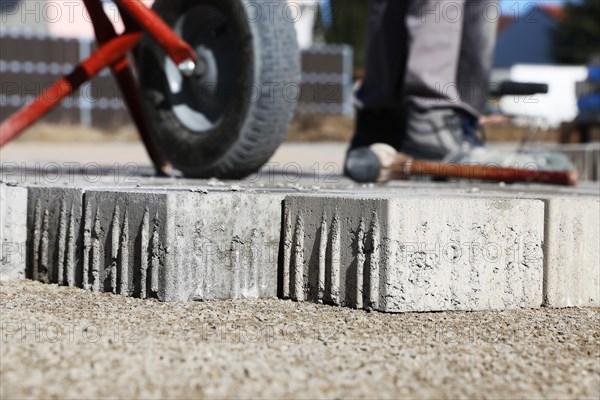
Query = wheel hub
x=201 y=93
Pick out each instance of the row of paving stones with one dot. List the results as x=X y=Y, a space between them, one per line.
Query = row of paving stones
x=415 y=247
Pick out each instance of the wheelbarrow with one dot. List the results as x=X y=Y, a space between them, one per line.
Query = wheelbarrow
x=214 y=87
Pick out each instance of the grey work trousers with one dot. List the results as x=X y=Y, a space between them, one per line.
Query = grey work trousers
x=432 y=53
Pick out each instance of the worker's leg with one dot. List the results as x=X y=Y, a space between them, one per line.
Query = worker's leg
x=439 y=120
x=477 y=52
x=386 y=55
x=379 y=101
x=435 y=29
x=451 y=52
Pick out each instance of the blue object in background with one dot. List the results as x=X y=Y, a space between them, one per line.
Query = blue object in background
x=590 y=102
x=526 y=42
x=326 y=13
x=594 y=73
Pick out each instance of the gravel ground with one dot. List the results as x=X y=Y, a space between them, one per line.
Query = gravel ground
x=61 y=342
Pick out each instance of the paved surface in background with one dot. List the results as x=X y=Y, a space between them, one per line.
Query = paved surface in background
x=124 y=163
x=304 y=166
x=59 y=342
x=106 y=153
x=306 y=154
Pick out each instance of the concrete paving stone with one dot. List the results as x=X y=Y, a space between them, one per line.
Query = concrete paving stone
x=13 y=232
x=182 y=245
x=572 y=252
x=571 y=246
x=416 y=253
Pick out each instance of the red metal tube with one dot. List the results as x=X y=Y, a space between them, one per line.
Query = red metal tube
x=149 y=21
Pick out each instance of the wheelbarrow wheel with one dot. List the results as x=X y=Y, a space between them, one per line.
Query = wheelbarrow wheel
x=227 y=119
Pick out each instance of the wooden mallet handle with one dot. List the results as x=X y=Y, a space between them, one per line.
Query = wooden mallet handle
x=398 y=166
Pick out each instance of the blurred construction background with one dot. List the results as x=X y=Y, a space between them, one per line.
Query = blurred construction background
x=551 y=42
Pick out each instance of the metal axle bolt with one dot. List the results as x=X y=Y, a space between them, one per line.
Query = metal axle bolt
x=187 y=67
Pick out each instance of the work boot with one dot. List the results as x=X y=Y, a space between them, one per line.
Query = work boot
x=451 y=136
x=423 y=134
x=435 y=134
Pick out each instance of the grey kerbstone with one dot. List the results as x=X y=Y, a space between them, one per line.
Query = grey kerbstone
x=179 y=245
x=414 y=253
x=54 y=234
x=572 y=252
x=13 y=232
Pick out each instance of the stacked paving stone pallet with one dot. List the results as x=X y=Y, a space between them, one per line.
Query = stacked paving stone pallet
x=586 y=158
x=391 y=250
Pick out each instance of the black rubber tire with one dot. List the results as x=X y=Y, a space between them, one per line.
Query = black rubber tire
x=252 y=123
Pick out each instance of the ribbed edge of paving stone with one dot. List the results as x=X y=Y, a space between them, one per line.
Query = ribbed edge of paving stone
x=55 y=230
x=414 y=253
x=54 y=235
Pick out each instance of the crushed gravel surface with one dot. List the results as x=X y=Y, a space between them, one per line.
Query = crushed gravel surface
x=59 y=342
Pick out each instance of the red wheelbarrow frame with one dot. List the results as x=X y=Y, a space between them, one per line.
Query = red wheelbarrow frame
x=112 y=51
